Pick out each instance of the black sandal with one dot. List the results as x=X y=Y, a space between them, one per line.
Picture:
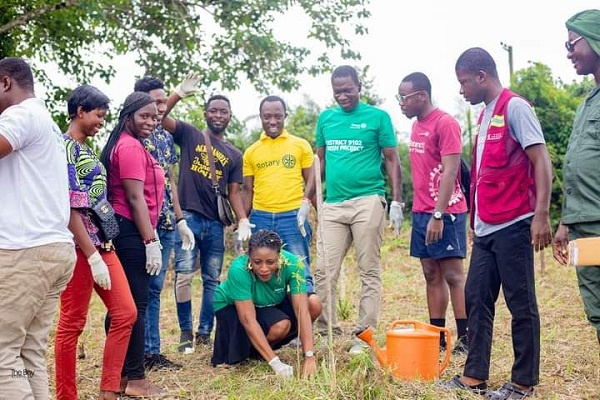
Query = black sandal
x=456 y=384
x=510 y=391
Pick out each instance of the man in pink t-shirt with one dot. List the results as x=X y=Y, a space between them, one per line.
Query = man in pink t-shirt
x=438 y=236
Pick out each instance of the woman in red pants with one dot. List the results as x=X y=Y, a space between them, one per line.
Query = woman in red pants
x=97 y=264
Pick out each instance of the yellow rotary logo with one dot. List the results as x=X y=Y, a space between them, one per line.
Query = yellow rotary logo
x=288 y=161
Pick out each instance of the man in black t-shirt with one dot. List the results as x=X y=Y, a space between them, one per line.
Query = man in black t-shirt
x=199 y=204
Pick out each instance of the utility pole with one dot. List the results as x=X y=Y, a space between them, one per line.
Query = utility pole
x=509 y=49
x=470 y=132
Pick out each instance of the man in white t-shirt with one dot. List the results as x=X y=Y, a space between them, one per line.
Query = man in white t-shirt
x=37 y=254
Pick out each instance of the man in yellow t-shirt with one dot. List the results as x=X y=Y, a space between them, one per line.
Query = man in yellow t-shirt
x=277 y=174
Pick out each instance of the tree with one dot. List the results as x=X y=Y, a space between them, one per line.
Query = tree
x=407 y=185
x=303 y=121
x=555 y=104
x=467 y=118
x=224 y=41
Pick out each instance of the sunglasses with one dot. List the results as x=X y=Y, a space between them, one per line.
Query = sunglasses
x=570 y=44
x=402 y=97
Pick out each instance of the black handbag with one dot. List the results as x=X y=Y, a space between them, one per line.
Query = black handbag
x=103 y=216
x=224 y=208
x=226 y=215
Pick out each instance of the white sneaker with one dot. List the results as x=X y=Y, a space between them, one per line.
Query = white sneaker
x=358 y=347
x=186 y=342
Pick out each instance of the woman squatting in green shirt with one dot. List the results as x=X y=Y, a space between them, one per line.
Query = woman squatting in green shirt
x=255 y=313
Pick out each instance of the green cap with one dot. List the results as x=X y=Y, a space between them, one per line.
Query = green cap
x=587 y=24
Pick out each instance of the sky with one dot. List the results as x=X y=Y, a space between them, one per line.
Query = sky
x=427 y=36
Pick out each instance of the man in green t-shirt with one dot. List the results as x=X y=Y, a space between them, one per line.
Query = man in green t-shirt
x=353 y=140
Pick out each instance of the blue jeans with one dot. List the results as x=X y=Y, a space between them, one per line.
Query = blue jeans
x=152 y=339
x=285 y=224
x=210 y=242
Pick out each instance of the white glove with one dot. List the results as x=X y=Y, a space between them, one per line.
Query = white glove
x=157 y=238
x=303 y=215
x=396 y=216
x=187 y=236
x=188 y=85
x=245 y=229
x=153 y=258
x=238 y=245
x=281 y=368
x=99 y=271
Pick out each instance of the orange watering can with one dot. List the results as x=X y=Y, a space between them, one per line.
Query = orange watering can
x=413 y=349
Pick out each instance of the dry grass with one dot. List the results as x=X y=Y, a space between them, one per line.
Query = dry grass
x=570 y=360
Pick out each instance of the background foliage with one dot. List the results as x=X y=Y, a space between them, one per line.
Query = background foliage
x=223 y=40
x=555 y=103
x=232 y=41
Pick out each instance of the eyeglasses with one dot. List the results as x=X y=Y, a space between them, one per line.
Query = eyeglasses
x=402 y=97
x=570 y=44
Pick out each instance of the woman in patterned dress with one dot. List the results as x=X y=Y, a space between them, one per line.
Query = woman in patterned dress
x=98 y=266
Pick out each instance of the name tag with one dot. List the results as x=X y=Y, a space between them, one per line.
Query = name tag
x=497 y=121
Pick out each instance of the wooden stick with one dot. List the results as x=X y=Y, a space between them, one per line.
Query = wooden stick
x=321 y=264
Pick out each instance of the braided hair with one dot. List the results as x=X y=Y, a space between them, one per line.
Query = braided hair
x=133 y=102
x=265 y=238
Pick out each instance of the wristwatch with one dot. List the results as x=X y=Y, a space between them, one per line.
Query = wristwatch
x=308 y=353
x=437 y=215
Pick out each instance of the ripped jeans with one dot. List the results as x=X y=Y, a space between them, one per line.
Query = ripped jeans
x=210 y=243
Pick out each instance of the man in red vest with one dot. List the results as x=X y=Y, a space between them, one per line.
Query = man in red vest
x=511 y=181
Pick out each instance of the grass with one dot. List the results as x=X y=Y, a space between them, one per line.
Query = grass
x=570 y=358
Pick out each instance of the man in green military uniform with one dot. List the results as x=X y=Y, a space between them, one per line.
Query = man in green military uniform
x=581 y=182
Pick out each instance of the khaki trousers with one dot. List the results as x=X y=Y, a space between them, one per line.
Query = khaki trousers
x=31 y=281
x=361 y=221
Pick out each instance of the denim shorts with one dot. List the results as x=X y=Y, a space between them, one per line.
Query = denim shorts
x=453 y=243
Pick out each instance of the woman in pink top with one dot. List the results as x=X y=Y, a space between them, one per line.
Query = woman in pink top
x=135 y=188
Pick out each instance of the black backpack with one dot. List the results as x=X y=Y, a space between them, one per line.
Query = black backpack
x=465 y=180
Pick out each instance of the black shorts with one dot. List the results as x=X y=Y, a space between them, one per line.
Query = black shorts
x=453 y=243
